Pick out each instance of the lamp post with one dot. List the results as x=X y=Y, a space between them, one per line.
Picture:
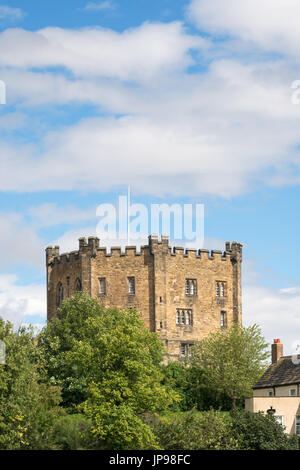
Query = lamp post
x=271 y=411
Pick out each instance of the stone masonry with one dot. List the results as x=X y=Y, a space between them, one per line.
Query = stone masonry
x=181 y=294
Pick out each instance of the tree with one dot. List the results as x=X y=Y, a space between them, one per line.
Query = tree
x=28 y=404
x=107 y=364
x=175 y=378
x=231 y=361
x=60 y=337
x=191 y=385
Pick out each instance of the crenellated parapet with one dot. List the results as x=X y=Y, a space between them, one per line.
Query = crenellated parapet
x=91 y=246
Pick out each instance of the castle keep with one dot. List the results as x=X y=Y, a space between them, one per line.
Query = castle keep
x=181 y=294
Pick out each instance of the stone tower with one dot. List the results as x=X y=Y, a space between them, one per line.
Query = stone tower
x=181 y=294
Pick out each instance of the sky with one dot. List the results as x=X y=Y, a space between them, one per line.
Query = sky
x=188 y=102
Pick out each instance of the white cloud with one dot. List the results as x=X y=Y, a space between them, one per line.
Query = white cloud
x=19 y=242
x=276 y=311
x=10 y=13
x=100 y=6
x=226 y=130
x=18 y=301
x=271 y=24
x=138 y=54
x=223 y=131
x=50 y=214
x=217 y=154
x=290 y=290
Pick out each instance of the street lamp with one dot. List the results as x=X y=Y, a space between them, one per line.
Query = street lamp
x=271 y=411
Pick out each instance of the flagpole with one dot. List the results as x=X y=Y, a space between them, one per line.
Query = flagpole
x=128 y=215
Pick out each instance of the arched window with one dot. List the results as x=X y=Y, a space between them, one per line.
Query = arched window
x=78 y=286
x=59 y=294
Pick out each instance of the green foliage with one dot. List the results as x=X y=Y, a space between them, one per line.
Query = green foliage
x=230 y=361
x=193 y=430
x=28 y=405
x=60 y=337
x=73 y=432
x=109 y=368
x=190 y=384
x=106 y=362
x=215 y=430
x=175 y=378
x=116 y=424
x=256 y=431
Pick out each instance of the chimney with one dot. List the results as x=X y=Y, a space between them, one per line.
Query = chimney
x=277 y=351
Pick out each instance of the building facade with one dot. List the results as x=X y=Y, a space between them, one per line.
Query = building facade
x=182 y=294
x=278 y=390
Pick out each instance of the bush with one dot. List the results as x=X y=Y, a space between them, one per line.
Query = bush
x=73 y=432
x=215 y=430
x=256 y=431
x=195 y=430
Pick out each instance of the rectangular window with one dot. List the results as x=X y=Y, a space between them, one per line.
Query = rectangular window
x=102 y=286
x=222 y=291
x=279 y=419
x=220 y=288
x=68 y=286
x=131 y=285
x=297 y=423
x=223 y=319
x=292 y=392
x=190 y=287
x=270 y=393
x=184 y=317
x=185 y=349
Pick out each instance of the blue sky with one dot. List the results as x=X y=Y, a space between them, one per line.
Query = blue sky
x=186 y=101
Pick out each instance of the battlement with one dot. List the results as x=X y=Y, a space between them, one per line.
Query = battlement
x=92 y=248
